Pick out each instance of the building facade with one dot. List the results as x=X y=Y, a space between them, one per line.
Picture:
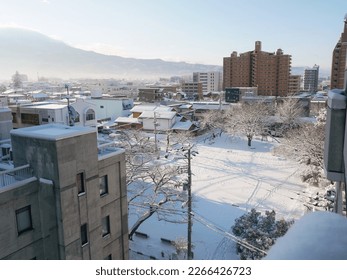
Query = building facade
x=193 y=90
x=79 y=113
x=311 y=79
x=339 y=60
x=268 y=71
x=65 y=198
x=211 y=81
x=294 y=84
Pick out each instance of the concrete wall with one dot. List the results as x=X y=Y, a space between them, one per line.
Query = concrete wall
x=60 y=161
x=5 y=123
x=41 y=241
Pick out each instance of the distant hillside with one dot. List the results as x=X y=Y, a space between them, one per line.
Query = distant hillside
x=33 y=53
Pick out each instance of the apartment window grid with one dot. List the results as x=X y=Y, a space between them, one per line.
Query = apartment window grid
x=24 y=219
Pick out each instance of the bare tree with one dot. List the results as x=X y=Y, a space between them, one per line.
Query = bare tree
x=139 y=150
x=290 y=110
x=213 y=120
x=248 y=119
x=154 y=186
x=160 y=186
x=306 y=144
x=2 y=88
x=17 y=80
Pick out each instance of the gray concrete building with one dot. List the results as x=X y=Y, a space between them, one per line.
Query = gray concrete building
x=64 y=198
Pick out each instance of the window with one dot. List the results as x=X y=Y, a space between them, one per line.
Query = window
x=84 y=234
x=105 y=226
x=90 y=115
x=103 y=184
x=77 y=117
x=80 y=182
x=24 y=222
x=14 y=117
x=30 y=119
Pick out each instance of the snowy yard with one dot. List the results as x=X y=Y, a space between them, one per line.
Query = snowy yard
x=228 y=179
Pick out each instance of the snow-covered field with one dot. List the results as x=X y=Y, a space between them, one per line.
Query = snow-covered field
x=228 y=179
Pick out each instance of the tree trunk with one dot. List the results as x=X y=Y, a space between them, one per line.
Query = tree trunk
x=145 y=216
x=139 y=222
x=249 y=138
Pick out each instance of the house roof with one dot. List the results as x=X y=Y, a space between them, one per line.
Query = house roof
x=127 y=120
x=182 y=125
x=144 y=108
x=158 y=115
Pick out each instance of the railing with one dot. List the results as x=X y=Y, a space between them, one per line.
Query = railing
x=108 y=147
x=8 y=177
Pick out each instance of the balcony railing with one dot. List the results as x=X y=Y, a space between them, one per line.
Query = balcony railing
x=8 y=177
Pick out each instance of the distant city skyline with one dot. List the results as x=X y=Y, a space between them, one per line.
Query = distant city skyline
x=193 y=31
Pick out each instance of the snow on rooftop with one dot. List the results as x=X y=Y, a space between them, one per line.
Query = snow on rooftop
x=51 y=106
x=179 y=125
x=158 y=115
x=52 y=131
x=127 y=120
x=144 y=108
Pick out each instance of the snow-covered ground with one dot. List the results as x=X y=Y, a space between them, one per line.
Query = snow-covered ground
x=228 y=179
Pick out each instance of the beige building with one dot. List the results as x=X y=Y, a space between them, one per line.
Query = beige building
x=339 y=60
x=268 y=71
x=211 y=81
x=193 y=90
x=64 y=197
x=294 y=85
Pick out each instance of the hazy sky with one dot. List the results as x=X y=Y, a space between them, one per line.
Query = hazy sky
x=199 y=31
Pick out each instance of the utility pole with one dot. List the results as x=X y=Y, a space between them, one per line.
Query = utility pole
x=68 y=105
x=155 y=133
x=189 y=254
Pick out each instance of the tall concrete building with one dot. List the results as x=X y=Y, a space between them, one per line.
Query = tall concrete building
x=65 y=197
x=311 y=79
x=339 y=60
x=268 y=71
x=211 y=81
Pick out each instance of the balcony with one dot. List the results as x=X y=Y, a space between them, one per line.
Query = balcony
x=14 y=175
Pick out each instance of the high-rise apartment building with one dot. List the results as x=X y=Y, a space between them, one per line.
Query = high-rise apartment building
x=211 y=81
x=268 y=71
x=65 y=198
x=311 y=79
x=339 y=60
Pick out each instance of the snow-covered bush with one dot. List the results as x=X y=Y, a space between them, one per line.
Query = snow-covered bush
x=260 y=231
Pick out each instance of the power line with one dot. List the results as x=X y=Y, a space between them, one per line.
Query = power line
x=226 y=234
x=202 y=220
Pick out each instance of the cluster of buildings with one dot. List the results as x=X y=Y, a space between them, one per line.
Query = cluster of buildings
x=63 y=189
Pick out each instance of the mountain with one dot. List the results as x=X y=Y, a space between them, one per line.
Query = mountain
x=34 y=54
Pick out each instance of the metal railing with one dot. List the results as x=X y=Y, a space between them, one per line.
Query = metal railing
x=8 y=177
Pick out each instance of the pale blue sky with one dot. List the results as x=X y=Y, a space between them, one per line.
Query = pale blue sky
x=199 y=31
